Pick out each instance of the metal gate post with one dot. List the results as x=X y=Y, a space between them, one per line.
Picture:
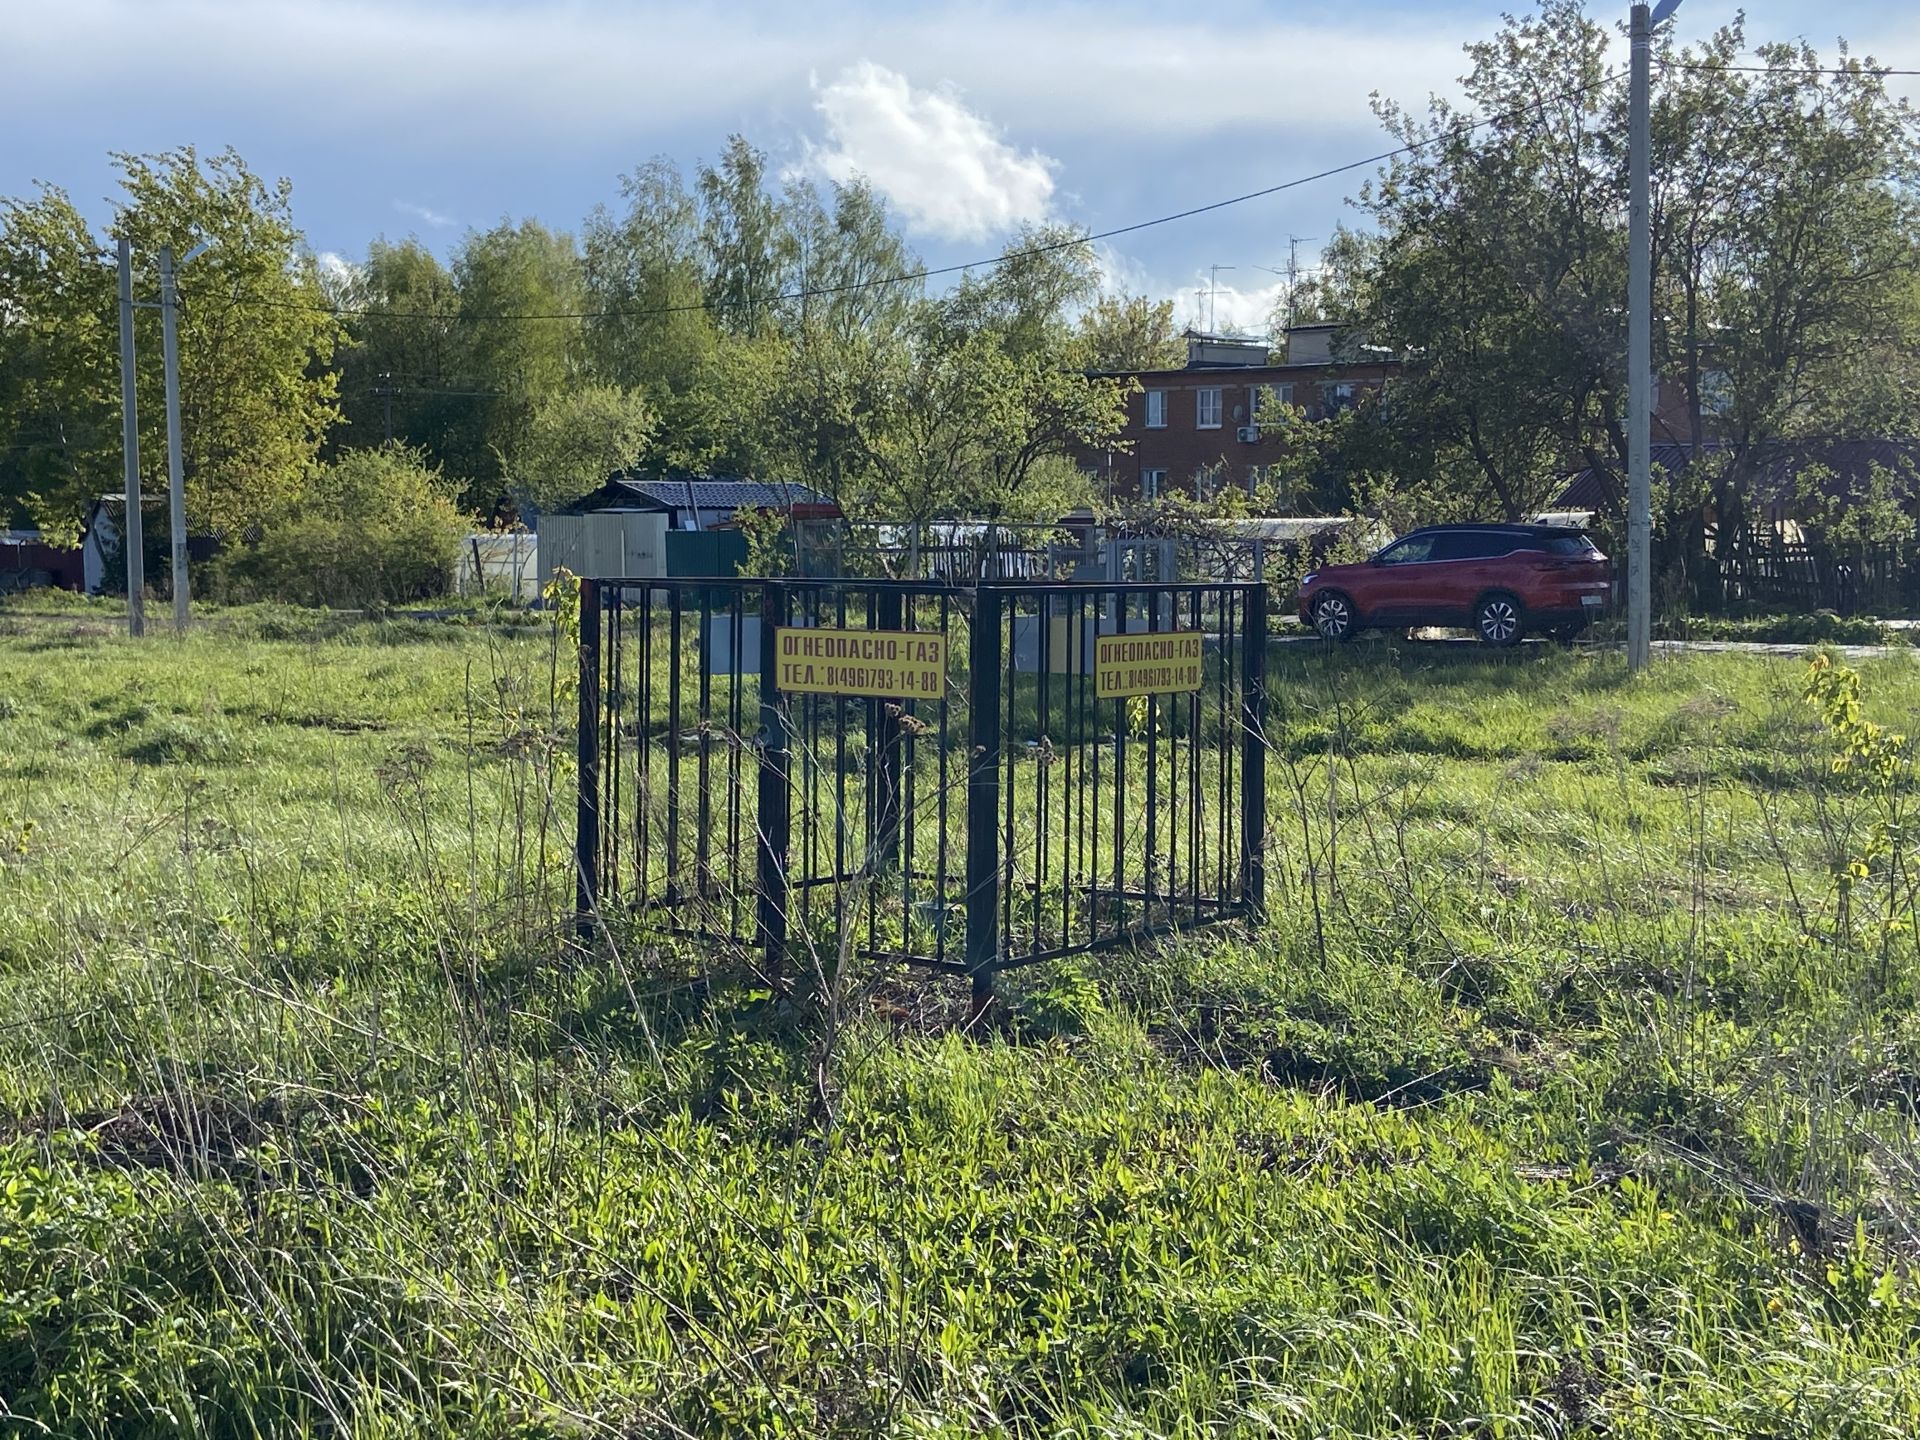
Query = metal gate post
x=586 y=828
x=889 y=747
x=983 y=797
x=775 y=799
x=1253 y=754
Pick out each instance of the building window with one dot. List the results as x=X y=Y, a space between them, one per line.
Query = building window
x=1151 y=483
x=1269 y=405
x=1335 y=398
x=1156 y=409
x=1207 y=408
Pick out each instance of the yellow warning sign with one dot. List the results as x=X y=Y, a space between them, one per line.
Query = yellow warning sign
x=895 y=664
x=1154 y=664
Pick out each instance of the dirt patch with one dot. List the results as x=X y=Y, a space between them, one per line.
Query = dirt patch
x=201 y=1136
x=160 y=1133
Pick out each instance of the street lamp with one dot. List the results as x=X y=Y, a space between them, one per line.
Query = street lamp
x=176 y=486
x=1641 y=24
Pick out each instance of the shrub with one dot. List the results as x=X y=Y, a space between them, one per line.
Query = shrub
x=376 y=527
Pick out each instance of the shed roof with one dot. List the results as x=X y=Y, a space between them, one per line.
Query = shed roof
x=704 y=492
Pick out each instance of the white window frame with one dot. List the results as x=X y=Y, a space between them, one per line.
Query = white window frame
x=1338 y=395
x=1159 y=422
x=1151 y=482
x=1204 y=400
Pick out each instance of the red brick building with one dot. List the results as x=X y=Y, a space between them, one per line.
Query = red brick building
x=1212 y=422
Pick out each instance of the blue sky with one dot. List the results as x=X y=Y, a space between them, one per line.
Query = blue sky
x=425 y=117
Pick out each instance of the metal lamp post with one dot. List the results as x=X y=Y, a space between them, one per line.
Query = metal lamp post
x=1641 y=25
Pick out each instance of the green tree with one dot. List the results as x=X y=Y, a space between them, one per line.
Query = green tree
x=854 y=274
x=574 y=440
x=750 y=250
x=401 y=366
x=1786 y=259
x=256 y=338
x=59 y=379
x=987 y=403
x=1499 y=264
x=845 y=337
x=1784 y=264
x=797 y=398
x=521 y=341
x=1130 y=332
x=645 y=283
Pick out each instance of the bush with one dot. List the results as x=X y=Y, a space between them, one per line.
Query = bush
x=1822 y=627
x=376 y=527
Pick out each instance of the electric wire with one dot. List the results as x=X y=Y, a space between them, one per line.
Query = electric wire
x=1783 y=70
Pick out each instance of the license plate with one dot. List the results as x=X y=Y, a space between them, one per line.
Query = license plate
x=1591 y=599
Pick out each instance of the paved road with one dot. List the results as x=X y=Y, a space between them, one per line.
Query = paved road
x=1458 y=638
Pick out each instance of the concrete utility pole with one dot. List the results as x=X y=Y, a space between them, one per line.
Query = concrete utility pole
x=176 y=486
x=131 y=539
x=1641 y=23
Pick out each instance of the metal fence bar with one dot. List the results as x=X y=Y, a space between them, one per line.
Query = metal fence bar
x=775 y=788
x=1253 y=754
x=586 y=833
x=983 y=796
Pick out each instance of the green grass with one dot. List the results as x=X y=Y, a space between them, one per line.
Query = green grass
x=1566 y=1092
x=1823 y=627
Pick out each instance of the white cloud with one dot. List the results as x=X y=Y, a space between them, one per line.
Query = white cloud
x=513 y=81
x=335 y=267
x=423 y=214
x=1202 y=300
x=941 y=165
x=1229 y=309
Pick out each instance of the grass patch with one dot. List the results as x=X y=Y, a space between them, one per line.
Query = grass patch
x=1570 y=1089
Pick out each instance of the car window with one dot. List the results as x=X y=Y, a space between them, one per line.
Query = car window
x=1570 y=545
x=1471 y=545
x=1409 y=551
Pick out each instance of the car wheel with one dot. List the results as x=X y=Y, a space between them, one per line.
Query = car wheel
x=1333 y=617
x=1498 y=620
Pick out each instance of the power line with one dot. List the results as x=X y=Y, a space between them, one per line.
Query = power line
x=1785 y=70
x=933 y=272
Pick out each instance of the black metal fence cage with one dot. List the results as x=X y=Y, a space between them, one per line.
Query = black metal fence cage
x=1010 y=809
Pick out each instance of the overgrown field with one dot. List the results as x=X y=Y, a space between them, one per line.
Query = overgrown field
x=1571 y=1089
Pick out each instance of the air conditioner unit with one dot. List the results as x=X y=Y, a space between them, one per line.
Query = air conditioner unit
x=1250 y=433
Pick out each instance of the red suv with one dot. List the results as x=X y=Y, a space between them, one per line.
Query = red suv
x=1503 y=580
